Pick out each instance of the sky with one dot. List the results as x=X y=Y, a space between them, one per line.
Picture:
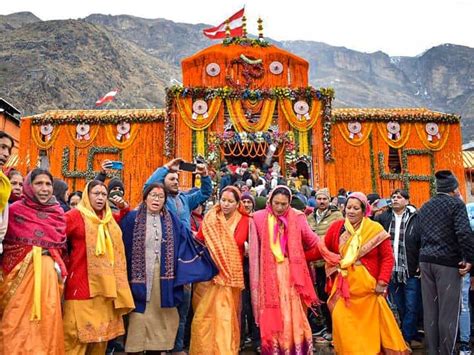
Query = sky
x=398 y=28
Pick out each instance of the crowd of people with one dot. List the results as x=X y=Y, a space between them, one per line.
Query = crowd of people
x=245 y=259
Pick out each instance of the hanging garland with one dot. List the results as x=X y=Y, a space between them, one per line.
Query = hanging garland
x=327 y=125
x=353 y=138
x=396 y=143
x=170 y=121
x=38 y=137
x=308 y=93
x=217 y=140
x=200 y=123
x=99 y=117
x=71 y=130
x=127 y=142
x=373 y=175
x=302 y=125
x=437 y=143
x=240 y=121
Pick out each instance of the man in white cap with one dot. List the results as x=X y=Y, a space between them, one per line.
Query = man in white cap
x=319 y=221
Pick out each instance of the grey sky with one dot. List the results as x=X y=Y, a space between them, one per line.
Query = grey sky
x=402 y=27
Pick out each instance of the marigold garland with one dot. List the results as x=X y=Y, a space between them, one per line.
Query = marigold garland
x=240 y=122
x=201 y=123
x=37 y=137
x=393 y=114
x=303 y=143
x=397 y=143
x=112 y=136
x=226 y=92
x=100 y=117
x=245 y=42
x=301 y=125
x=366 y=130
x=439 y=143
x=200 y=142
x=71 y=130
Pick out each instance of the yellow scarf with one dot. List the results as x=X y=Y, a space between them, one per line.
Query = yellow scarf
x=351 y=247
x=275 y=246
x=5 y=190
x=104 y=241
x=350 y=250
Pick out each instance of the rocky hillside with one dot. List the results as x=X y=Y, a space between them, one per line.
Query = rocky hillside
x=16 y=20
x=69 y=64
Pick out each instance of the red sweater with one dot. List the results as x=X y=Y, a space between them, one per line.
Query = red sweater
x=77 y=283
x=379 y=261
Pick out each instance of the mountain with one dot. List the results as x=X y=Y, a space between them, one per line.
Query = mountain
x=16 y=20
x=71 y=63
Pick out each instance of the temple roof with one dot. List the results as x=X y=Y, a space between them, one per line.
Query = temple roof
x=393 y=114
x=98 y=116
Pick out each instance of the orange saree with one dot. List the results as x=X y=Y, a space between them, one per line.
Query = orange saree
x=19 y=334
x=363 y=323
x=215 y=328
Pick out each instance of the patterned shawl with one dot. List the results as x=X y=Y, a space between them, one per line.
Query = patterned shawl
x=223 y=248
x=169 y=248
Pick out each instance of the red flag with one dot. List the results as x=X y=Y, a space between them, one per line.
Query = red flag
x=107 y=97
x=235 y=24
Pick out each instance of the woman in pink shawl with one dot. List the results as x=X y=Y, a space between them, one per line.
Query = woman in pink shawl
x=33 y=271
x=280 y=282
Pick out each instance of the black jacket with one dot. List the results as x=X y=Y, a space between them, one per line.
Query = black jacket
x=412 y=240
x=445 y=233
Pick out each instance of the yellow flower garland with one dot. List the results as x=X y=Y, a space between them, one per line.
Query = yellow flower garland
x=303 y=143
x=112 y=136
x=200 y=123
x=303 y=125
x=240 y=122
x=36 y=135
x=440 y=143
x=405 y=130
x=71 y=129
x=200 y=142
x=356 y=141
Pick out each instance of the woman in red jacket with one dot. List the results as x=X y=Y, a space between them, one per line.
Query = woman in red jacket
x=359 y=284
